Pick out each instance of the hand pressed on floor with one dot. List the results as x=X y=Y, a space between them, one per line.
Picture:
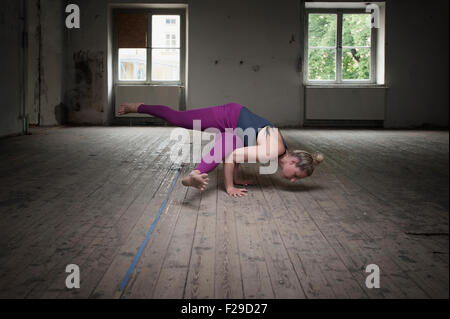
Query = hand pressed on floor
x=237 y=192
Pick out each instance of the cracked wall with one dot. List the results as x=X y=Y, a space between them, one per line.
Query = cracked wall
x=45 y=62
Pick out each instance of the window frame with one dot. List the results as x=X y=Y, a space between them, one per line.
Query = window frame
x=339 y=49
x=150 y=13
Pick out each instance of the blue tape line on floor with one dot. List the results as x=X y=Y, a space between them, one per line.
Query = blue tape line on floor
x=150 y=231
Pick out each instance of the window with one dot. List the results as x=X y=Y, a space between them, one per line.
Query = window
x=165 y=48
x=340 y=47
x=132 y=46
x=149 y=47
x=171 y=40
x=132 y=64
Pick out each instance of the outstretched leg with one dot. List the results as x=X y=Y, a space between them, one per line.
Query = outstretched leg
x=220 y=117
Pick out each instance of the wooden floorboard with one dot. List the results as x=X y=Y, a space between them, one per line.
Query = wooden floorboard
x=89 y=195
x=72 y=232
x=228 y=281
x=200 y=279
x=101 y=244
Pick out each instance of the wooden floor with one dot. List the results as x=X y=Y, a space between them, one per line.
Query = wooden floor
x=88 y=196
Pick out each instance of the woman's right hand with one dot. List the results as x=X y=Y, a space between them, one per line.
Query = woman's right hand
x=237 y=192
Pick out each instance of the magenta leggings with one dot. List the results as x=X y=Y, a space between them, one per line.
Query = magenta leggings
x=219 y=117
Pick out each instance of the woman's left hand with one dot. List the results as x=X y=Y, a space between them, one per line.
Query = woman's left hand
x=237 y=192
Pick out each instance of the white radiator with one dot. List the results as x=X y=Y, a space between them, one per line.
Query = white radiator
x=345 y=103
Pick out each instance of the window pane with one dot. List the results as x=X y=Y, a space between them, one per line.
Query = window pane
x=356 y=64
x=165 y=27
x=356 y=30
x=165 y=64
x=132 y=30
x=322 y=64
x=132 y=64
x=322 y=30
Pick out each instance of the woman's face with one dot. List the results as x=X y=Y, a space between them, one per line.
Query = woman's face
x=290 y=171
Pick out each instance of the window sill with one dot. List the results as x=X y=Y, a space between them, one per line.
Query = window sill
x=346 y=86
x=149 y=84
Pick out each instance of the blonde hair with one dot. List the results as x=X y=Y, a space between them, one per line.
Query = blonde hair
x=306 y=161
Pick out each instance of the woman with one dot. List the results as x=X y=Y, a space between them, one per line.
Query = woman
x=294 y=165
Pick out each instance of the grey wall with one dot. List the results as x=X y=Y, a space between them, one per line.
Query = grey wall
x=417 y=63
x=265 y=35
x=11 y=90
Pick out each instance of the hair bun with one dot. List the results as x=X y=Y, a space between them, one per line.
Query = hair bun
x=318 y=158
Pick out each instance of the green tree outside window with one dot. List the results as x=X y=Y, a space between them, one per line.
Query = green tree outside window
x=323 y=47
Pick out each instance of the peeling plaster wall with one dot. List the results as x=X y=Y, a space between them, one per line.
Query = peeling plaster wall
x=88 y=94
x=52 y=61
x=86 y=77
x=85 y=96
x=45 y=62
x=34 y=41
x=11 y=65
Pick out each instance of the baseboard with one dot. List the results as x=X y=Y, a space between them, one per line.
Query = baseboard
x=344 y=123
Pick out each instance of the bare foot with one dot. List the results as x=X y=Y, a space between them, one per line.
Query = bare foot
x=129 y=108
x=196 y=180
